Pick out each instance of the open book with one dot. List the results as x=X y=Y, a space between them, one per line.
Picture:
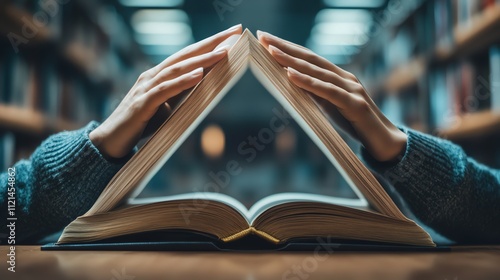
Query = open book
x=277 y=218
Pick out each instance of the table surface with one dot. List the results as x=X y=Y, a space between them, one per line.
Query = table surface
x=479 y=262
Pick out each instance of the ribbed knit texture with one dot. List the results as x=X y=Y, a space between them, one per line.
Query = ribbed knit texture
x=60 y=182
x=449 y=192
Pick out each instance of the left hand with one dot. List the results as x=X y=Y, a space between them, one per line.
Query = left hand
x=145 y=102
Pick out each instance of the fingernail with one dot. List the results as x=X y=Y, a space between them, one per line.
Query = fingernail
x=267 y=34
x=263 y=34
x=233 y=28
x=292 y=71
x=221 y=49
x=197 y=72
x=275 y=50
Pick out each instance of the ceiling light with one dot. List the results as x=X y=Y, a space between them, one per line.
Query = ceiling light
x=166 y=40
x=340 y=28
x=354 y=3
x=152 y=3
x=156 y=27
x=333 y=49
x=159 y=15
x=339 y=40
x=343 y=15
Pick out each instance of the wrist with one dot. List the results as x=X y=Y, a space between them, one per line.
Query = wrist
x=400 y=143
x=113 y=145
x=388 y=149
x=396 y=148
x=97 y=139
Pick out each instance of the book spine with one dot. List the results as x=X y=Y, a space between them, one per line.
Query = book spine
x=3 y=75
x=7 y=148
x=495 y=77
x=3 y=163
x=438 y=96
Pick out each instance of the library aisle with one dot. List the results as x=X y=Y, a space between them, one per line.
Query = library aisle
x=431 y=65
x=437 y=70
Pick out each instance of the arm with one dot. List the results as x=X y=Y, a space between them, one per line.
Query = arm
x=66 y=174
x=62 y=179
x=446 y=190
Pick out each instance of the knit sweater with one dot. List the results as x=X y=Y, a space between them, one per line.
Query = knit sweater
x=445 y=190
x=60 y=182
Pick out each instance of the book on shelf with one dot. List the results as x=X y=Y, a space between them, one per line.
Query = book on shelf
x=7 y=148
x=278 y=219
x=458 y=89
x=495 y=77
x=4 y=70
x=443 y=21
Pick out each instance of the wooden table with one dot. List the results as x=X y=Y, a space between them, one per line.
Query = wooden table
x=460 y=264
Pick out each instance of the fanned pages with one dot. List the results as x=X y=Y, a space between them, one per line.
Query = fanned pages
x=374 y=216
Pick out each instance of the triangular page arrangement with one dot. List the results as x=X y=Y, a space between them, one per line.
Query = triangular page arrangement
x=373 y=217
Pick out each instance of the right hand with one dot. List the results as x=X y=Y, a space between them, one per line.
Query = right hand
x=121 y=131
x=341 y=95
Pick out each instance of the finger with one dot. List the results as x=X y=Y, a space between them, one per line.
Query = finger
x=205 y=61
x=353 y=108
x=263 y=38
x=203 y=46
x=310 y=69
x=334 y=94
x=166 y=90
x=300 y=52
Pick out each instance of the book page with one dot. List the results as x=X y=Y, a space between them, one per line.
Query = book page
x=218 y=197
x=273 y=200
x=259 y=207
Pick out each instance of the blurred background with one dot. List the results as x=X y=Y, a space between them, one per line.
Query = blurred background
x=431 y=65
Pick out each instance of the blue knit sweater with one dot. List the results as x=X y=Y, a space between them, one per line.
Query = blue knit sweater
x=447 y=191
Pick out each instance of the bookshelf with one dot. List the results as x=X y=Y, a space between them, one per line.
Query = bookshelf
x=31 y=122
x=473 y=126
x=473 y=36
x=439 y=72
x=75 y=54
x=469 y=38
x=69 y=73
x=405 y=75
x=11 y=21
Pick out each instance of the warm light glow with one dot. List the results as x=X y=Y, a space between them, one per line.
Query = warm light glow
x=286 y=141
x=213 y=141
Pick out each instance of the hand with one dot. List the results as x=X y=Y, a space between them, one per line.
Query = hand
x=121 y=131
x=341 y=95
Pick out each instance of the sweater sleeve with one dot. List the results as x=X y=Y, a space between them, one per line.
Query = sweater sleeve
x=445 y=189
x=60 y=182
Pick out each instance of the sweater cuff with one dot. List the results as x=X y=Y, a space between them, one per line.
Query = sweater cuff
x=422 y=152
x=72 y=155
x=80 y=146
